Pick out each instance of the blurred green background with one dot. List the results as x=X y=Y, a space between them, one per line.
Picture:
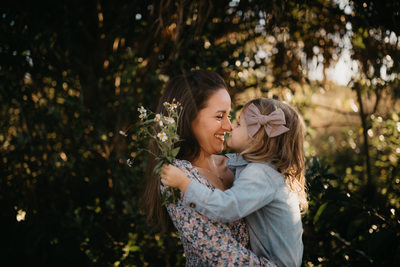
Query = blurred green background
x=72 y=74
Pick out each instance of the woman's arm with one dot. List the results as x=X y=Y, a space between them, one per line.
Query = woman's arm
x=250 y=192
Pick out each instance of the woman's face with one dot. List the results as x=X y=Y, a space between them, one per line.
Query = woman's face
x=212 y=122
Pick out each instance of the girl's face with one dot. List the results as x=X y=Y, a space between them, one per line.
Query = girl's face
x=239 y=136
x=212 y=122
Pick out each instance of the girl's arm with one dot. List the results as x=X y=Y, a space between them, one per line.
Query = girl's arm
x=212 y=241
x=251 y=191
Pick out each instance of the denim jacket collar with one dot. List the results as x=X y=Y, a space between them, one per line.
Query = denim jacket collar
x=235 y=161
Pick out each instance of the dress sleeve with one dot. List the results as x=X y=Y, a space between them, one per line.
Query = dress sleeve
x=251 y=191
x=212 y=241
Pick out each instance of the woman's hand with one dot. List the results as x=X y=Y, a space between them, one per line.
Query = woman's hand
x=173 y=177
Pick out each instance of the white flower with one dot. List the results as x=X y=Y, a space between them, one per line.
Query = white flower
x=162 y=136
x=170 y=120
x=143 y=112
x=172 y=106
x=141 y=109
x=123 y=133
x=21 y=215
x=158 y=119
x=129 y=162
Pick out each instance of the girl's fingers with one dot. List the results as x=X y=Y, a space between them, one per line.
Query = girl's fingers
x=165 y=167
x=164 y=173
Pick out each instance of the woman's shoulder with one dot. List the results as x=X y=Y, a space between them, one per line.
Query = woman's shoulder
x=183 y=164
x=190 y=171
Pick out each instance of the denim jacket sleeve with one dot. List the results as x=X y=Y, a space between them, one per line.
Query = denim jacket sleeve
x=252 y=190
x=209 y=243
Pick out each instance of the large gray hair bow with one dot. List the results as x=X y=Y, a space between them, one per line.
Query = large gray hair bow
x=273 y=123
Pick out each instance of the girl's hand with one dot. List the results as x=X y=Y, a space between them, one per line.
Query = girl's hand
x=173 y=177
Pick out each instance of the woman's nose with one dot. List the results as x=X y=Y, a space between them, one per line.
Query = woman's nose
x=226 y=125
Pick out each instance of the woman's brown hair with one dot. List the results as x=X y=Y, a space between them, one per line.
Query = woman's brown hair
x=192 y=90
x=285 y=151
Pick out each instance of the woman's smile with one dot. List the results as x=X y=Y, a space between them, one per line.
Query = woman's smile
x=212 y=122
x=220 y=137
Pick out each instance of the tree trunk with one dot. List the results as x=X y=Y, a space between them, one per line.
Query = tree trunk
x=365 y=135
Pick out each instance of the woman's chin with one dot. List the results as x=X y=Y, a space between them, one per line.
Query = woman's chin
x=219 y=149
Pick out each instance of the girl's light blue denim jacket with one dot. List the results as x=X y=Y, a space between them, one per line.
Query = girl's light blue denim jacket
x=260 y=194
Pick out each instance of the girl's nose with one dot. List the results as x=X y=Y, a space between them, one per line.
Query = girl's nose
x=226 y=125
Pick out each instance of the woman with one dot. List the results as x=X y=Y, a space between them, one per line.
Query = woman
x=203 y=123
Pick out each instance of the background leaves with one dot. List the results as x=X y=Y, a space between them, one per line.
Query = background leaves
x=73 y=74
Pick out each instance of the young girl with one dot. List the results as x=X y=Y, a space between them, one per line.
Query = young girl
x=269 y=185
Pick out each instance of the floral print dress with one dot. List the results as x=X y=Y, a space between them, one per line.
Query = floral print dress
x=210 y=243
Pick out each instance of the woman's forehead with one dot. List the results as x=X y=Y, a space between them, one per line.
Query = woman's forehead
x=220 y=101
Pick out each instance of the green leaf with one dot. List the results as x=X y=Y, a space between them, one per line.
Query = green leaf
x=170 y=159
x=175 y=151
x=157 y=168
x=319 y=212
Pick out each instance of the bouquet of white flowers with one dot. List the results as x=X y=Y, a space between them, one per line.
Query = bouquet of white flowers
x=163 y=129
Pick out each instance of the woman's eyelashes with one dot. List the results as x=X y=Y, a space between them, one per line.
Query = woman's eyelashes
x=221 y=116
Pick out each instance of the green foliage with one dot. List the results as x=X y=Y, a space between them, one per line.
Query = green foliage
x=72 y=75
x=346 y=229
x=357 y=219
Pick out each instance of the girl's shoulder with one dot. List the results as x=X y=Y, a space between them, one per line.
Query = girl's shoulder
x=263 y=165
x=266 y=166
x=265 y=170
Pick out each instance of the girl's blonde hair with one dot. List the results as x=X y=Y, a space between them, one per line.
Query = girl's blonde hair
x=285 y=151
